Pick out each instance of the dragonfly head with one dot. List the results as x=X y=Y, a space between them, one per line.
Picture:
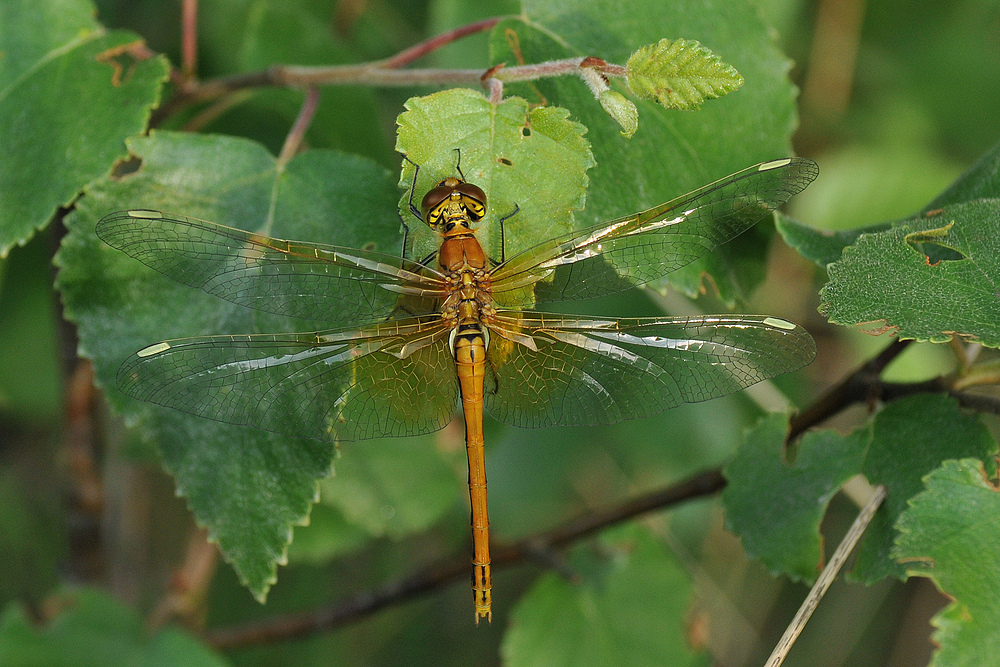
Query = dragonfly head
x=453 y=191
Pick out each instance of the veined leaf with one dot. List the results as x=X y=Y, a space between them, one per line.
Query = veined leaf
x=628 y=608
x=980 y=181
x=92 y=630
x=951 y=534
x=929 y=279
x=534 y=161
x=680 y=74
x=247 y=486
x=777 y=508
x=70 y=94
x=671 y=153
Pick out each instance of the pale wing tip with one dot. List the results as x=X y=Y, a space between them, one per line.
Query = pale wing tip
x=779 y=323
x=153 y=349
x=144 y=214
x=774 y=164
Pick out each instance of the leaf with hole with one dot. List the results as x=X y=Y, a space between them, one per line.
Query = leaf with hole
x=928 y=279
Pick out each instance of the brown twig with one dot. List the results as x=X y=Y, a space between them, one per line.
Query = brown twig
x=189 y=40
x=865 y=385
x=84 y=469
x=892 y=391
x=191 y=92
x=407 y=56
x=298 y=131
x=370 y=74
x=185 y=599
x=384 y=73
x=857 y=387
x=326 y=618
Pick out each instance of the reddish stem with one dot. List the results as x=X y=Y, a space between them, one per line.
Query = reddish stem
x=407 y=56
x=298 y=131
x=189 y=39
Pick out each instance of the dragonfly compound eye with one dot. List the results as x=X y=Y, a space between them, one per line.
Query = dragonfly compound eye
x=473 y=200
x=432 y=203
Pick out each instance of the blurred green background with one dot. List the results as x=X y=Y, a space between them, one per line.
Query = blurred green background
x=898 y=98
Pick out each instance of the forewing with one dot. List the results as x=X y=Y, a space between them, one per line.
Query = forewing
x=392 y=379
x=587 y=371
x=645 y=246
x=309 y=281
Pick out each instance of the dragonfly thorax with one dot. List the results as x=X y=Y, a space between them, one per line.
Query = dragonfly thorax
x=463 y=261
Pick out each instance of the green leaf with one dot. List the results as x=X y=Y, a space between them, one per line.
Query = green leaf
x=329 y=535
x=69 y=96
x=910 y=438
x=951 y=534
x=533 y=161
x=622 y=110
x=248 y=487
x=628 y=608
x=29 y=336
x=671 y=153
x=393 y=486
x=33 y=543
x=93 y=629
x=887 y=279
x=776 y=508
x=981 y=181
x=819 y=245
x=680 y=74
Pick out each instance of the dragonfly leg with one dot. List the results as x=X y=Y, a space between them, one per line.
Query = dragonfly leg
x=413 y=189
x=458 y=163
x=503 y=244
x=406 y=236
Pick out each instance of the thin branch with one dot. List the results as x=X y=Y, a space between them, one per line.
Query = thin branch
x=822 y=584
x=298 y=131
x=853 y=389
x=215 y=110
x=371 y=74
x=384 y=73
x=420 y=50
x=327 y=618
x=78 y=437
x=184 y=601
x=891 y=391
x=189 y=91
x=189 y=40
x=865 y=385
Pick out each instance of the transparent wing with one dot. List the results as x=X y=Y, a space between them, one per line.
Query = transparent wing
x=645 y=246
x=308 y=281
x=587 y=371
x=392 y=379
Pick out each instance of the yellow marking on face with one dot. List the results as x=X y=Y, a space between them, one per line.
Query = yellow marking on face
x=153 y=349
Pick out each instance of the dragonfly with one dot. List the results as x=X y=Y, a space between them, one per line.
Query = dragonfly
x=413 y=339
